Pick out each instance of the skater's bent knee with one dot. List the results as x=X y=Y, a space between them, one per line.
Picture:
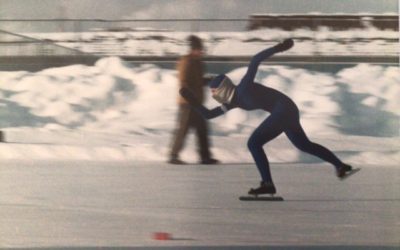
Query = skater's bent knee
x=253 y=144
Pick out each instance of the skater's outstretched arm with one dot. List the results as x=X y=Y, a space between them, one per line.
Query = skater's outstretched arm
x=205 y=112
x=261 y=56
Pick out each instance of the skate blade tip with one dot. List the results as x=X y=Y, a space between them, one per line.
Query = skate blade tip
x=261 y=198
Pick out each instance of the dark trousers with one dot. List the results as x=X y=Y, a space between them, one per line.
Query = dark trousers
x=284 y=119
x=189 y=118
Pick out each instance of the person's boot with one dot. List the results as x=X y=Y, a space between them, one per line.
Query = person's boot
x=343 y=170
x=265 y=188
x=176 y=161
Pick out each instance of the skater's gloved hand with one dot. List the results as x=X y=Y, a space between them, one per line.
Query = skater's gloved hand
x=189 y=97
x=285 y=45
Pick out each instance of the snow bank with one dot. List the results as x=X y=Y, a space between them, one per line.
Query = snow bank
x=122 y=112
x=367 y=41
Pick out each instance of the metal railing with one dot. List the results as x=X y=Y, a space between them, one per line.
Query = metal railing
x=12 y=44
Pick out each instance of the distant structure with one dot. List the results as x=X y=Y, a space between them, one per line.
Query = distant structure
x=314 y=21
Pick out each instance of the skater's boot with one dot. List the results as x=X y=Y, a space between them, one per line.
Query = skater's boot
x=265 y=188
x=342 y=170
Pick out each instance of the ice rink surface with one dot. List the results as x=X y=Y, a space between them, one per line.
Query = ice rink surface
x=119 y=205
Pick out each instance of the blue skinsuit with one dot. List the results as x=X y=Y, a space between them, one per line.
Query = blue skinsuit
x=284 y=117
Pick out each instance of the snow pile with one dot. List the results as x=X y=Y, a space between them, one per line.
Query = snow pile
x=379 y=85
x=113 y=111
x=78 y=96
x=368 y=41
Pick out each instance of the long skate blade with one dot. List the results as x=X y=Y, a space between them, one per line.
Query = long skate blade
x=350 y=173
x=261 y=198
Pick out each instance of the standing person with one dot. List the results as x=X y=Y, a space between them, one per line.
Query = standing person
x=190 y=71
x=284 y=117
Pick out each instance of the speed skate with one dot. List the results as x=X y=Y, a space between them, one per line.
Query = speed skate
x=261 y=198
x=265 y=192
x=350 y=173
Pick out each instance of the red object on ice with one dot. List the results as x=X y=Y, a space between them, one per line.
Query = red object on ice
x=161 y=236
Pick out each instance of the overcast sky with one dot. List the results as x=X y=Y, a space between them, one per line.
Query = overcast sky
x=116 y=9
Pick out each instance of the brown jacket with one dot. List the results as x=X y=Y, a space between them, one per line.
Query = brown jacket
x=190 y=74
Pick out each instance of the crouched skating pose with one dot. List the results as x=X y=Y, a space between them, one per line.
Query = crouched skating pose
x=283 y=118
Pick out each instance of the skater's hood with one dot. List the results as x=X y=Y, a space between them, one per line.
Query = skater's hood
x=214 y=83
x=224 y=89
